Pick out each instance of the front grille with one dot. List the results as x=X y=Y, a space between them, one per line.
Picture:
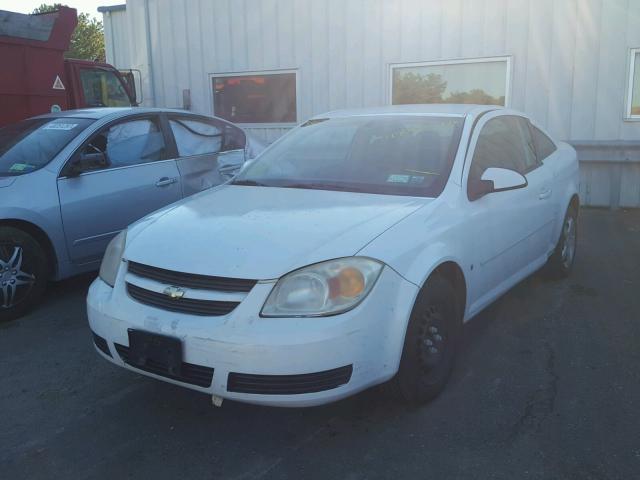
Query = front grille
x=191 y=280
x=101 y=343
x=289 y=384
x=190 y=373
x=191 y=306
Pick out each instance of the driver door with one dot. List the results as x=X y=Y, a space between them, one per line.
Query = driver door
x=134 y=179
x=510 y=230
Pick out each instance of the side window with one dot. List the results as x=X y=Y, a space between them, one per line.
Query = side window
x=129 y=143
x=544 y=145
x=101 y=88
x=195 y=137
x=530 y=159
x=504 y=142
x=234 y=138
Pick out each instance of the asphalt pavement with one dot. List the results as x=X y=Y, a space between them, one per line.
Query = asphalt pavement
x=547 y=385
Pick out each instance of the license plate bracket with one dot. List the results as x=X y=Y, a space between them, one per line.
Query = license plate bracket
x=154 y=351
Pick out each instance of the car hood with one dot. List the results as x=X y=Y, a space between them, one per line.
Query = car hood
x=6 y=181
x=262 y=232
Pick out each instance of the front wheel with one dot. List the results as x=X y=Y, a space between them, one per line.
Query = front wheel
x=561 y=261
x=23 y=272
x=430 y=343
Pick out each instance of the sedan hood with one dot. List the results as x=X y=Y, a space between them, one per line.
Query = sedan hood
x=262 y=232
x=6 y=181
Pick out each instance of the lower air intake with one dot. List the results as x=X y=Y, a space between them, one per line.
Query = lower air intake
x=289 y=384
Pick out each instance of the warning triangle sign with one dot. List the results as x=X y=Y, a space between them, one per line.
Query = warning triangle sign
x=57 y=84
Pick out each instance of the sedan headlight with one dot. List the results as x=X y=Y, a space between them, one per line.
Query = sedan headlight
x=112 y=258
x=322 y=289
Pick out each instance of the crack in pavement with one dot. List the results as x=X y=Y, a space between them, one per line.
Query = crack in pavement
x=541 y=403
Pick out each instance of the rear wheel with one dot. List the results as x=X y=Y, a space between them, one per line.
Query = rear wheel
x=561 y=261
x=430 y=343
x=23 y=272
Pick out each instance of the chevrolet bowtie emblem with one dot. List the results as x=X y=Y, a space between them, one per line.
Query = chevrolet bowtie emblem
x=175 y=293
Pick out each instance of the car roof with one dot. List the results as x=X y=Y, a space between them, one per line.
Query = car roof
x=114 y=112
x=455 y=109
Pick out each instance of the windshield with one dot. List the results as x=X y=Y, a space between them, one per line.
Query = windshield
x=31 y=144
x=393 y=155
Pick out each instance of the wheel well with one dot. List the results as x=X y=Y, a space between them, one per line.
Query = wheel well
x=41 y=237
x=575 y=202
x=452 y=272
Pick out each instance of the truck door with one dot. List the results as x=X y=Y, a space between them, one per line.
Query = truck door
x=101 y=87
x=133 y=178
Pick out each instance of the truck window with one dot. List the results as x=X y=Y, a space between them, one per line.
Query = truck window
x=102 y=88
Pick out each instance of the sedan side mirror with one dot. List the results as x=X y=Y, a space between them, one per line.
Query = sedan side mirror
x=496 y=180
x=87 y=161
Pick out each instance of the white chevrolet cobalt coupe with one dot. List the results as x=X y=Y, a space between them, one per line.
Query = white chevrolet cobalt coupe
x=347 y=255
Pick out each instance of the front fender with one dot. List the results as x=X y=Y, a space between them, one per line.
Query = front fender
x=417 y=246
x=50 y=223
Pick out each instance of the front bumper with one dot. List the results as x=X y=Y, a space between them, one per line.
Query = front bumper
x=366 y=340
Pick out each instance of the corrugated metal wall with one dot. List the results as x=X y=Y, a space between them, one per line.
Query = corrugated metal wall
x=569 y=57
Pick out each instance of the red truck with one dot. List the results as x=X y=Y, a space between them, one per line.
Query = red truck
x=35 y=78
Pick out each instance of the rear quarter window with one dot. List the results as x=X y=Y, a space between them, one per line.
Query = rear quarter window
x=543 y=144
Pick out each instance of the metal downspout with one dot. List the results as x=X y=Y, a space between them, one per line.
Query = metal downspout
x=147 y=22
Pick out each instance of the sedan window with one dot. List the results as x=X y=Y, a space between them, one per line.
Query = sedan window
x=504 y=142
x=129 y=143
x=386 y=154
x=544 y=145
x=195 y=138
x=31 y=144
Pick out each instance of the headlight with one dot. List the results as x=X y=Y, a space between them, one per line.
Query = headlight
x=325 y=288
x=111 y=260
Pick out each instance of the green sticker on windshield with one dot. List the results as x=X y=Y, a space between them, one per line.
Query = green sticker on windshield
x=19 y=167
x=394 y=178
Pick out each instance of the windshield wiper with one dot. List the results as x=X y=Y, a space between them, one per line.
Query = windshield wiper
x=249 y=183
x=325 y=186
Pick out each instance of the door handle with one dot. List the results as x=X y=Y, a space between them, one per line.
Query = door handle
x=544 y=193
x=164 y=181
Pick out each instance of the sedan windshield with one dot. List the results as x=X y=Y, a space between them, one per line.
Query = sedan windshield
x=31 y=144
x=385 y=154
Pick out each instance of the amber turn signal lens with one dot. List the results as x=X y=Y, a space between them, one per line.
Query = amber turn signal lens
x=348 y=283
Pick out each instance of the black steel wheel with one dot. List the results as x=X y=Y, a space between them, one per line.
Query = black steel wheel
x=23 y=272
x=430 y=343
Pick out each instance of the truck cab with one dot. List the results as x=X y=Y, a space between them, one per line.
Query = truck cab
x=95 y=84
x=38 y=79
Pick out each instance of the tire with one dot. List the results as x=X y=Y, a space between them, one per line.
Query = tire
x=561 y=261
x=23 y=272
x=430 y=344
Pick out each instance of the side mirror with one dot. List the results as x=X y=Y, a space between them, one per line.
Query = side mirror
x=87 y=161
x=496 y=180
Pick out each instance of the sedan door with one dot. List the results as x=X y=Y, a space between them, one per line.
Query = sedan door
x=134 y=179
x=208 y=151
x=510 y=230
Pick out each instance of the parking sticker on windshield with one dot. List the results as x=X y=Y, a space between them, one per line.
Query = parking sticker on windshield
x=60 y=126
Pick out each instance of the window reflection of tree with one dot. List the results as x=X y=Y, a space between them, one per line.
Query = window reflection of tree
x=411 y=87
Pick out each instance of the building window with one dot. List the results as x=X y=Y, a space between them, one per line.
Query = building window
x=483 y=80
x=633 y=95
x=255 y=97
